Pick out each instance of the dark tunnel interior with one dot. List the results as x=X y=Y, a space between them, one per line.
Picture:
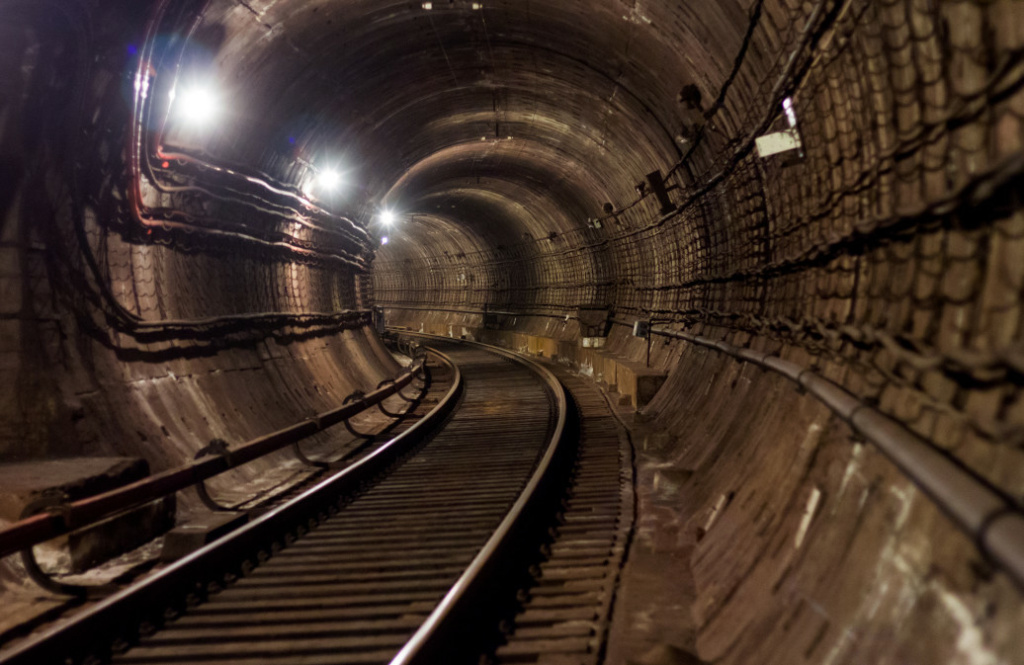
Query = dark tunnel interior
x=203 y=201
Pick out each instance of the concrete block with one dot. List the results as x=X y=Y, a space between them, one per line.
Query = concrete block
x=569 y=351
x=76 y=478
x=604 y=367
x=542 y=346
x=637 y=381
x=187 y=538
x=114 y=536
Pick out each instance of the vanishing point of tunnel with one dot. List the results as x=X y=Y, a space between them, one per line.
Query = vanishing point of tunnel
x=779 y=243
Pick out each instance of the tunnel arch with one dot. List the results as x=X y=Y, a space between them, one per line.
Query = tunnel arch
x=166 y=285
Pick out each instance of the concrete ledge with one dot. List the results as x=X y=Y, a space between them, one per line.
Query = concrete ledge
x=112 y=537
x=633 y=381
x=23 y=483
x=187 y=538
x=639 y=382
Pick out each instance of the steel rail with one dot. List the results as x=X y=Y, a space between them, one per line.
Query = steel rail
x=123 y=616
x=993 y=520
x=442 y=634
x=39 y=528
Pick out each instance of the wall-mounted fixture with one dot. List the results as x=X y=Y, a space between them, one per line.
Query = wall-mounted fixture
x=657 y=184
x=784 y=141
x=197 y=104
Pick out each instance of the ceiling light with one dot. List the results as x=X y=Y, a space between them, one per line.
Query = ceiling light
x=197 y=105
x=387 y=217
x=787 y=106
x=328 y=180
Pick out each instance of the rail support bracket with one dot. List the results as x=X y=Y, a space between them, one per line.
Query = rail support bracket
x=55 y=503
x=357 y=395
x=216 y=447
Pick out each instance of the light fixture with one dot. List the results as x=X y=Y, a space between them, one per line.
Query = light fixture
x=784 y=141
x=787 y=106
x=387 y=217
x=197 y=105
x=328 y=180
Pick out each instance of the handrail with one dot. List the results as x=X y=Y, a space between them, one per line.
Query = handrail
x=463 y=310
x=39 y=528
x=568 y=312
x=122 y=615
x=432 y=641
x=992 y=519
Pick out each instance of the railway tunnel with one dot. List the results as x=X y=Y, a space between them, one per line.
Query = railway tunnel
x=782 y=240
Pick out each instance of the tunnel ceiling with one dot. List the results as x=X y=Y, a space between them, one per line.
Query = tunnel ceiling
x=510 y=120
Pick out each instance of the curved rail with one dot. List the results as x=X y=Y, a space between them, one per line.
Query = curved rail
x=464 y=617
x=121 y=618
x=68 y=517
x=439 y=636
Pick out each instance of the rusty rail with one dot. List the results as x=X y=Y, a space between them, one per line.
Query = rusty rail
x=39 y=528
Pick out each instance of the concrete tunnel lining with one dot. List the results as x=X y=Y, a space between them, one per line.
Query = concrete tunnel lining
x=165 y=287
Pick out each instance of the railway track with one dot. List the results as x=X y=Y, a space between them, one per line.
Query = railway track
x=564 y=610
x=403 y=557
x=437 y=384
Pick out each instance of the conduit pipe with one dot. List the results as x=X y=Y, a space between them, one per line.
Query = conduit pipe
x=992 y=519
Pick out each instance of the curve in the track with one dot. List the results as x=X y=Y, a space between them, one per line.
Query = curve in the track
x=357 y=587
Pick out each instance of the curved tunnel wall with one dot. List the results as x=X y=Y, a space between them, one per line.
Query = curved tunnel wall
x=146 y=316
x=153 y=269
x=885 y=256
